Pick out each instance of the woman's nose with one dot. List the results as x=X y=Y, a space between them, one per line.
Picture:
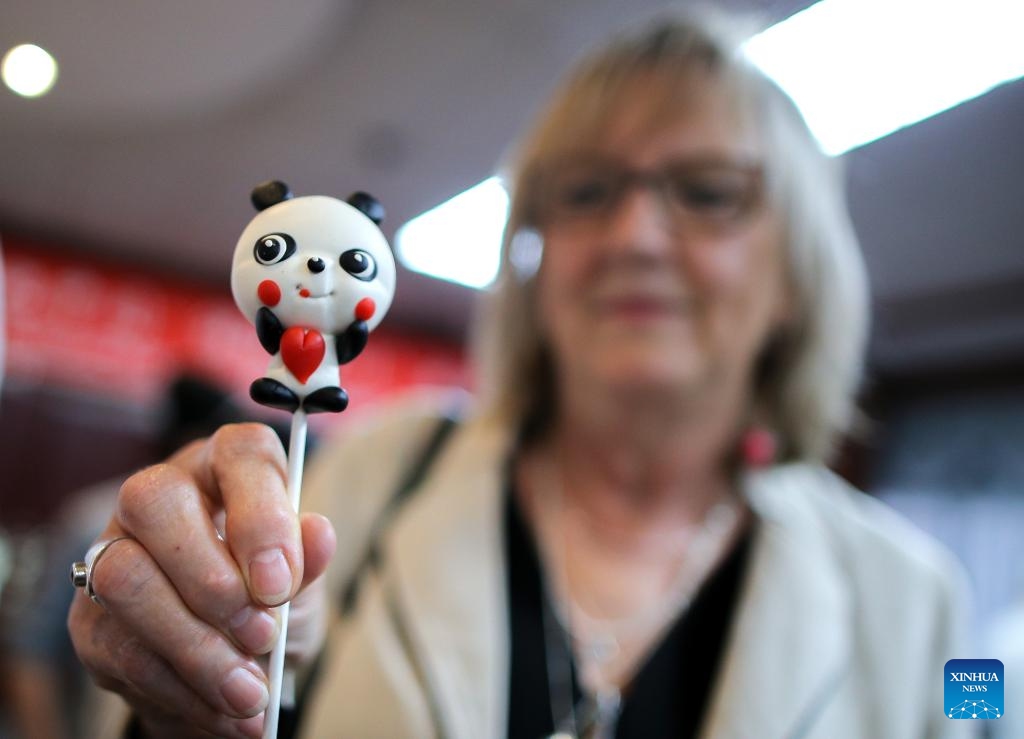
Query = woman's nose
x=640 y=221
x=316 y=264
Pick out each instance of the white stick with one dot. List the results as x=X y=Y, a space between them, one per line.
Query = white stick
x=296 y=457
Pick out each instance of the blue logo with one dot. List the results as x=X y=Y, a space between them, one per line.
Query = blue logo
x=974 y=689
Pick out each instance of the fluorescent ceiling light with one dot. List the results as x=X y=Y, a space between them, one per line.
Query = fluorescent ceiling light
x=862 y=69
x=857 y=69
x=459 y=240
x=29 y=70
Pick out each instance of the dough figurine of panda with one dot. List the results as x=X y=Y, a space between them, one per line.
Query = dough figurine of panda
x=315 y=275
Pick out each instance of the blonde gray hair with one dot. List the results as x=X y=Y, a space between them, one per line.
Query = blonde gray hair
x=808 y=375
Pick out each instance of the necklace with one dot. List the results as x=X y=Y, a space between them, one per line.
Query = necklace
x=608 y=648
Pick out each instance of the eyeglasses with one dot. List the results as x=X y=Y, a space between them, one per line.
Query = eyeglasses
x=712 y=193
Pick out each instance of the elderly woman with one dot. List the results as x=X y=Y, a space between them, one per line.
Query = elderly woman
x=634 y=535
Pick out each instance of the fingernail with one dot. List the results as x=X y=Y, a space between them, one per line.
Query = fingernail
x=251 y=726
x=244 y=692
x=270 y=577
x=255 y=630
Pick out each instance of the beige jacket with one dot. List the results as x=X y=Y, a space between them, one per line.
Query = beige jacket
x=846 y=616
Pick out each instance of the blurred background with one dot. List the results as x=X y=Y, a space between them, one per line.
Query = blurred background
x=126 y=185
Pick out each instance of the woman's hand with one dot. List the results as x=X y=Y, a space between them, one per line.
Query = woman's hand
x=184 y=610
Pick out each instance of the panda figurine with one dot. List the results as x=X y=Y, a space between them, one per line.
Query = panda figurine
x=315 y=275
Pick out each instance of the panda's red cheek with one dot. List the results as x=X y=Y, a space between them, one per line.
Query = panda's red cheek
x=269 y=293
x=365 y=309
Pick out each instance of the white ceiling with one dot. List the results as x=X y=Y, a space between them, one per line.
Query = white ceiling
x=166 y=115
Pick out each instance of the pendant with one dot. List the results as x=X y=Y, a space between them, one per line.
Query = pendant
x=609 y=703
x=601 y=715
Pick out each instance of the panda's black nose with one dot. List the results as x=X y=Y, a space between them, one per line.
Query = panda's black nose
x=316 y=264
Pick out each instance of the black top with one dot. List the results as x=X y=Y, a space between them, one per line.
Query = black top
x=669 y=695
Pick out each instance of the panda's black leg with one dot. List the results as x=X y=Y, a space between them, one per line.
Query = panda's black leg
x=272 y=393
x=326 y=400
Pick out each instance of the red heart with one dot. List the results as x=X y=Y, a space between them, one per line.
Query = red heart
x=302 y=350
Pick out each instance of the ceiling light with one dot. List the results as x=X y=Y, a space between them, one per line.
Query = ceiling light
x=862 y=69
x=857 y=69
x=29 y=70
x=459 y=240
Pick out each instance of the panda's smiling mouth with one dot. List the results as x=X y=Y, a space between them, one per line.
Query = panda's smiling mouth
x=304 y=292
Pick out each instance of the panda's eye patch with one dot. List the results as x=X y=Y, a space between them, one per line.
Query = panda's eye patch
x=359 y=264
x=273 y=248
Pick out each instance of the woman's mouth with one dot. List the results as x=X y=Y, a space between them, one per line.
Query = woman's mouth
x=638 y=308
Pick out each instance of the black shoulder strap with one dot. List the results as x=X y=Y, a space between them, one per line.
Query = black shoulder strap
x=410 y=482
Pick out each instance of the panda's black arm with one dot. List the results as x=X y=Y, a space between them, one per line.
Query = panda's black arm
x=269 y=330
x=351 y=341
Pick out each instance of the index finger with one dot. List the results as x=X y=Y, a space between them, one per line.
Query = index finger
x=242 y=467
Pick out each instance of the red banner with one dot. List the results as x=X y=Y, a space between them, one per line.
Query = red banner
x=121 y=332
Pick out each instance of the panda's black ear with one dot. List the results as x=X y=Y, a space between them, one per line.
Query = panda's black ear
x=269 y=193
x=369 y=205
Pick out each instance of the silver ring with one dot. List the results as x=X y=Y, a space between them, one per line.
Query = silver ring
x=81 y=572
